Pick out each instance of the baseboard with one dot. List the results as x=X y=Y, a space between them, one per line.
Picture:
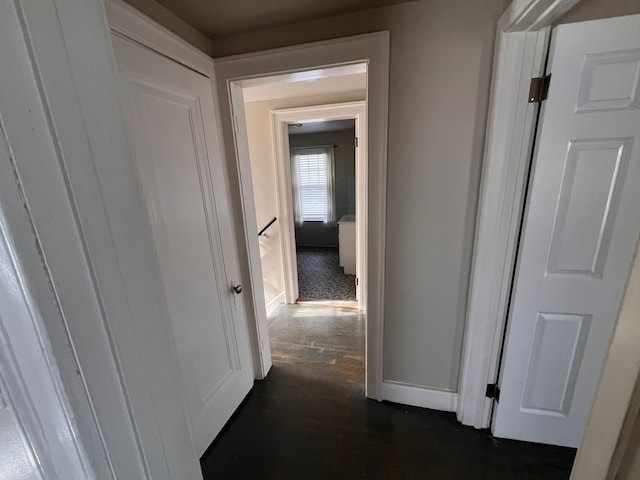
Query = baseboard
x=273 y=304
x=419 y=396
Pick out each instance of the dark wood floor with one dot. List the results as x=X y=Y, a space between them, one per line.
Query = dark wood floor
x=309 y=420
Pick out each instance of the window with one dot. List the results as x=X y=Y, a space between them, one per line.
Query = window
x=312 y=170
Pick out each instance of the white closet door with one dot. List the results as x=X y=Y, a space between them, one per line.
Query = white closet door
x=172 y=120
x=580 y=230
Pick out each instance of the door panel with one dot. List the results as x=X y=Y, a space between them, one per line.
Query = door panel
x=170 y=112
x=580 y=229
x=556 y=353
x=587 y=205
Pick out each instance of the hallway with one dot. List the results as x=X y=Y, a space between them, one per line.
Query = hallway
x=309 y=420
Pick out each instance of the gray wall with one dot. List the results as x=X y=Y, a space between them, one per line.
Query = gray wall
x=441 y=54
x=319 y=234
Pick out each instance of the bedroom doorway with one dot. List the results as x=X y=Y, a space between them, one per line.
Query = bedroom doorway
x=308 y=164
x=322 y=162
x=324 y=245
x=306 y=66
x=306 y=135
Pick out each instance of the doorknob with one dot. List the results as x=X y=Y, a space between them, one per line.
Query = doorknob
x=238 y=289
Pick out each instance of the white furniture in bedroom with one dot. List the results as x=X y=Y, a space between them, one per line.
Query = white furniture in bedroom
x=347 y=243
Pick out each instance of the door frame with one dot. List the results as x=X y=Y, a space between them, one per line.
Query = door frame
x=279 y=121
x=521 y=47
x=372 y=49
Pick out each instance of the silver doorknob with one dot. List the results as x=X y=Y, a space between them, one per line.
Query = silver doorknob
x=238 y=289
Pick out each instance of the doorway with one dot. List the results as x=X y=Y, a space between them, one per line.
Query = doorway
x=372 y=50
x=308 y=179
x=323 y=174
x=350 y=192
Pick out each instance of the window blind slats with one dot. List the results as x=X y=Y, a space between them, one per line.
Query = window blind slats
x=312 y=186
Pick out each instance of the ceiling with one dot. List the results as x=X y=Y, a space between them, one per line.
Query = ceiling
x=344 y=78
x=220 y=18
x=321 y=126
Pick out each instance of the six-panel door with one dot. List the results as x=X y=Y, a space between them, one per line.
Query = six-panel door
x=580 y=229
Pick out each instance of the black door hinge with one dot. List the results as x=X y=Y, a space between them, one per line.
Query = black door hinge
x=539 y=89
x=493 y=391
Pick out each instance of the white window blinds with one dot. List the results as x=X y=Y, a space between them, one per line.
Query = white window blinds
x=313 y=185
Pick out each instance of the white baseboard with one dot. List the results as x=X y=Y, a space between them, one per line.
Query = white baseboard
x=419 y=396
x=273 y=304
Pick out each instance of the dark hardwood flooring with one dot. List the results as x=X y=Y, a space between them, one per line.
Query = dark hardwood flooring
x=309 y=420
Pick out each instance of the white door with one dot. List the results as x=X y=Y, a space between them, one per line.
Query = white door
x=580 y=229
x=172 y=120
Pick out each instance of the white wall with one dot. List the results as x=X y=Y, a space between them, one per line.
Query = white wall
x=441 y=53
x=263 y=174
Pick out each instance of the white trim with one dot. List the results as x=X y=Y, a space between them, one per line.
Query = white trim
x=43 y=146
x=532 y=15
x=96 y=247
x=279 y=120
x=372 y=49
x=521 y=46
x=126 y=21
x=273 y=304
x=419 y=396
x=31 y=381
x=246 y=223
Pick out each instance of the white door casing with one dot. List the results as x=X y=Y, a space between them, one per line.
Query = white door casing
x=171 y=116
x=522 y=37
x=580 y=229
x=372 y=48
x=280 y=119
x=259 y=335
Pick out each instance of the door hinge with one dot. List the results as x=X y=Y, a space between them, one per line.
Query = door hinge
x=355 y=142
x=357 y=281
x=539 y=89
x=493 y=391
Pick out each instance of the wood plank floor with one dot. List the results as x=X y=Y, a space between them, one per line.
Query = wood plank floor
x=309 y=420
